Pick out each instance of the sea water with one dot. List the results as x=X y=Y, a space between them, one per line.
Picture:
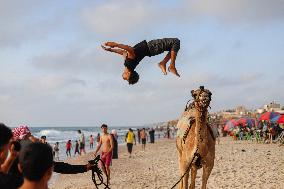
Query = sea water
x=63 y=134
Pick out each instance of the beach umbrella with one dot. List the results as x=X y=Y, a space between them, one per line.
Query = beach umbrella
x=246 y=121
x=230 y=125
x=275 y=119
x=268 y=116
x=281 y=119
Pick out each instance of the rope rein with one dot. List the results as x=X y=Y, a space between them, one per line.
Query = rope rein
x=187 y=170
x=97 y=171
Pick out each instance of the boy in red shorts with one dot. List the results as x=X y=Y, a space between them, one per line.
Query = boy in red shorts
x=106 y=156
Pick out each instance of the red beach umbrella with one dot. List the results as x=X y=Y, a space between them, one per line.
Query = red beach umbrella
x=268 y=116
x=281 y=119
x=230 y=125
x=246 y=121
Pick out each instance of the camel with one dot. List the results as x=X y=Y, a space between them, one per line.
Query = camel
x=195 y=141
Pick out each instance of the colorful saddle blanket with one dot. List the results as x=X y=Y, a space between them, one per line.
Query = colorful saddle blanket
x=185 y=122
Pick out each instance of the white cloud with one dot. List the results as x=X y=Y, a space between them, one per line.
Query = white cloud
x=234 y=11
x=117 y=17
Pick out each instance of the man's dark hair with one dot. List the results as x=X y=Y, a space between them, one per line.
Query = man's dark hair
x=79 y=131
x=43 y=137
x=104 y=125
x=133 y=78
x=35 y=159
x=5 y=135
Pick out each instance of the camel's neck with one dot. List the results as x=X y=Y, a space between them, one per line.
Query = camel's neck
x=200 y=129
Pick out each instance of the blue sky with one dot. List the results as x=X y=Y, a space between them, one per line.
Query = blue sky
x=54 y=73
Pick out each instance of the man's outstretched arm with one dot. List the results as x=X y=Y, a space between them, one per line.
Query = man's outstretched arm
x=118 y=51
x=129 y=49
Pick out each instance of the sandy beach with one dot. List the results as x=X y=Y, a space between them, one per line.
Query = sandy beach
x=238 y=164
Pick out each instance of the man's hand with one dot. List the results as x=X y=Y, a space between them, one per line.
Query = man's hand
x=111 y=44
x=89 y=166
x=105 y=48
x=13 y=152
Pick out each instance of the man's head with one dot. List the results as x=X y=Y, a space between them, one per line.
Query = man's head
x=131 y=76
x=43 y=139
x=79 y=131
x=104 y=128
x=5 y=137
x=36 y=162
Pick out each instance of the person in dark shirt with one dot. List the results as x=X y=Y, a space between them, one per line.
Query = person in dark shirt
x=58 y=167
x=77 y=148
x=115 y=144
x=7 y=180
x=133 y=55
x=36 y=165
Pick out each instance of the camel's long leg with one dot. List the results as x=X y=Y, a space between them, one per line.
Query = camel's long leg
x=185 y=178
x=193 y=177
x=182 y=167
x=207 y=168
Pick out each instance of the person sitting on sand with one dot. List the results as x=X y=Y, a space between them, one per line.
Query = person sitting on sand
x=36 y=164
x=106 y=156
x=133 y=55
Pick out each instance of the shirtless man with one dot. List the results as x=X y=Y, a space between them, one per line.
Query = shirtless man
x=106 y=156
x=133 y=55
x=143 y=136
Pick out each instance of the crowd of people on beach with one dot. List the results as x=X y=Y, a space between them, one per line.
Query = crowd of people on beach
x=265 y=132
x=26 y=152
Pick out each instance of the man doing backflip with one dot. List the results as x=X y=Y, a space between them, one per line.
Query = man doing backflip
x=133 y=55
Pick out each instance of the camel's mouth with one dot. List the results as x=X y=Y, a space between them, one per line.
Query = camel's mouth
x=202 y=97
x=204 y=102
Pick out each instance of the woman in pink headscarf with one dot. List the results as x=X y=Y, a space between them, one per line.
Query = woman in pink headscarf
x=23 y=133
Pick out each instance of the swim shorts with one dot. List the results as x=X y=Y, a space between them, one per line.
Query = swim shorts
x=106 y=158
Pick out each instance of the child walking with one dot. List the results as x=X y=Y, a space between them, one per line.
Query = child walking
x=77 y=148
x=68 y=148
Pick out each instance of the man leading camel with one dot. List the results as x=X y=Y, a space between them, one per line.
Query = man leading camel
x=133 y=55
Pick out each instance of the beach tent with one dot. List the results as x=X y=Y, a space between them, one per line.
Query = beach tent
x=267 y=116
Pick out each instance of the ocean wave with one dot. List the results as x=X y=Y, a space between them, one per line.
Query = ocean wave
x=53 y=135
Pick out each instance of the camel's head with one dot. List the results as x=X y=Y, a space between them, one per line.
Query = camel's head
x=202 y=98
